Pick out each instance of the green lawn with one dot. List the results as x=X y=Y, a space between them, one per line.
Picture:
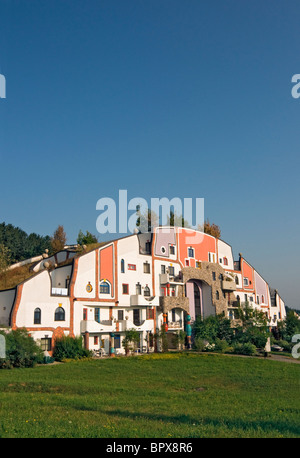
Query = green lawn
x=157 y=396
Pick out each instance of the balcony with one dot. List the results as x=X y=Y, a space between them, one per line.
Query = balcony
x=228 y=285
x=143 y=301
x=175 y=324
x=94 y=326
x=59 y=291
x=142 y=325
x=173 y=280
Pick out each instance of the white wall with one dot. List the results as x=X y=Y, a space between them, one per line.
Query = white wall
x=6 y=303
x=86 y=273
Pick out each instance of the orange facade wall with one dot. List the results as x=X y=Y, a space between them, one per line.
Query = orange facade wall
x=202 y=244
x=248 y=272
x=106 y=258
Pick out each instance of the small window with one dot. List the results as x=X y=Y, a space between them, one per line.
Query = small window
x=146 y=291
x=96 y=340
x=172 y=249
x=238 y=299
x=37 y=316
x=146 y=268
x=236 y=280
x=225 y=261
x=163 y=250
x=214 y=276
x=104 y=287
x=171 y=271
x=120 y=315
x=122 y=266
x=125 y=288
x=163 y=269
x=217 y=295
x=148 y=247
x=84 y=314
x=246 y=281
x=46 y=344
x=220 y=260
x=187 y=262
x=246 y=297
x=59 y=314
x=251 y=299
x=117 y=341
x=191 y=252
x=131 y=267
x=97 y=314
x=198 y=264
x=262 y=299
x=138 y=288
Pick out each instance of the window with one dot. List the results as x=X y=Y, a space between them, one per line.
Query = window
x=104 y=287
x=120 y=315
x=46 y=344
x=198 y=264
x=131 y=267
x=246 y=281
x=171 y=271
x=138 y=288
x=191 y=252
x=214 y=276
x=251 y=299
x=125 y=288
x=37 y=316
x=96 y=340
x=172 y=249
x=148 y=247
x=163 y=250
x=257 y=299
x=225 y=260
x=187 y=262
x=238 y=299
x=163 y=269
x=146 y=291
x=117 y=342
x=122 y=266
x=211 y=257
x=262 y=299
x=97 y=314
x=246 y=297
x=149 y=314
x=217 y=295
x=173 y=315
x=84 y=314
x=59 y=314
x=236 y=280
x=146 y=268
x=136 y=317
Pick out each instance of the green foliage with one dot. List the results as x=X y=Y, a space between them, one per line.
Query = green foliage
x=21 y=350
x=290 y=326
x=21 y=245
x=68 y=347
x=162 y=339
x=59 y=239
x=212 y=328
x=245 y=348
x=86 y=239
x=179 y=339
x=131 y=340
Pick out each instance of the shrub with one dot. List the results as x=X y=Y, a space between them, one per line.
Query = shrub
x=246 y=348
x=21 y=350
x=68 y=347
x=199 y=344
x=221 y=345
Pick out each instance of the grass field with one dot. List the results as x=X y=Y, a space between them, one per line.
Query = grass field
x=153 y=396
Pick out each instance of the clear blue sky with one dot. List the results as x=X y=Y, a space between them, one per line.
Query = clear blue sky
x=187 y=98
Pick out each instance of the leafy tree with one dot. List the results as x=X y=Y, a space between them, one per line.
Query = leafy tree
x=253 y=327
x=131 y=340
x=86 y=239
x=21 y=350
x=5 y=260
x=290 y=326
x=212 y=328
x=212 y=229
x=59 y=239
x=177 y=220
x=69 y=347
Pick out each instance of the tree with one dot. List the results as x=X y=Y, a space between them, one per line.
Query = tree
x=131 y=340
x=5 y=260
x=177 y=220
x=211 y=229
x=86 y=239
x=59 y=239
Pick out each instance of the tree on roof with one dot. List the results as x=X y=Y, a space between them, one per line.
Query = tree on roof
x=59 y=239
x=86 y=239
x=212 y=229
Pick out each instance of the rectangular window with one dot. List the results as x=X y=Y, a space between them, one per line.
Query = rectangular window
x=246 y=298
x=148 y=247
x=173 y=315
x=257 y=300
x=214 y=276
x=225 y=261
x=163 y=269
x=146 y=268
x=136 y=317
x=117 y=341
x=84 y=314
x=172 y=249
x=149 y=314
x=125 y=288
x=138 y=288
x=171 y=271
x=190 y=252
x=187 y=262
x=96 y=340
x=198 y=264
x=120 y=315
x=46 y=344
x=246 y=281
x=131 y=267
x=97 y=314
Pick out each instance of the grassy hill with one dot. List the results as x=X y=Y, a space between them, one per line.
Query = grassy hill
x=154 y=396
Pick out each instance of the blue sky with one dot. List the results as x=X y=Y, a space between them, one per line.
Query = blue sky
x=163 y=99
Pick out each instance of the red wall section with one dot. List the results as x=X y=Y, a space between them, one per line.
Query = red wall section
x=202 y=243
x=247 y=271
x=106 y=256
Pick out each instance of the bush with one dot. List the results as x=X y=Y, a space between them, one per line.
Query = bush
x=199 y=344
x=246 y=348
x=221 y=345
x=21 y=350
x=68 y=347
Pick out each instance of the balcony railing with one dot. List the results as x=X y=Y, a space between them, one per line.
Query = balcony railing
x=175 y=324
x=60 y=291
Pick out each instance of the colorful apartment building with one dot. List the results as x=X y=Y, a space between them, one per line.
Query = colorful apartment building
x=141 y=282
